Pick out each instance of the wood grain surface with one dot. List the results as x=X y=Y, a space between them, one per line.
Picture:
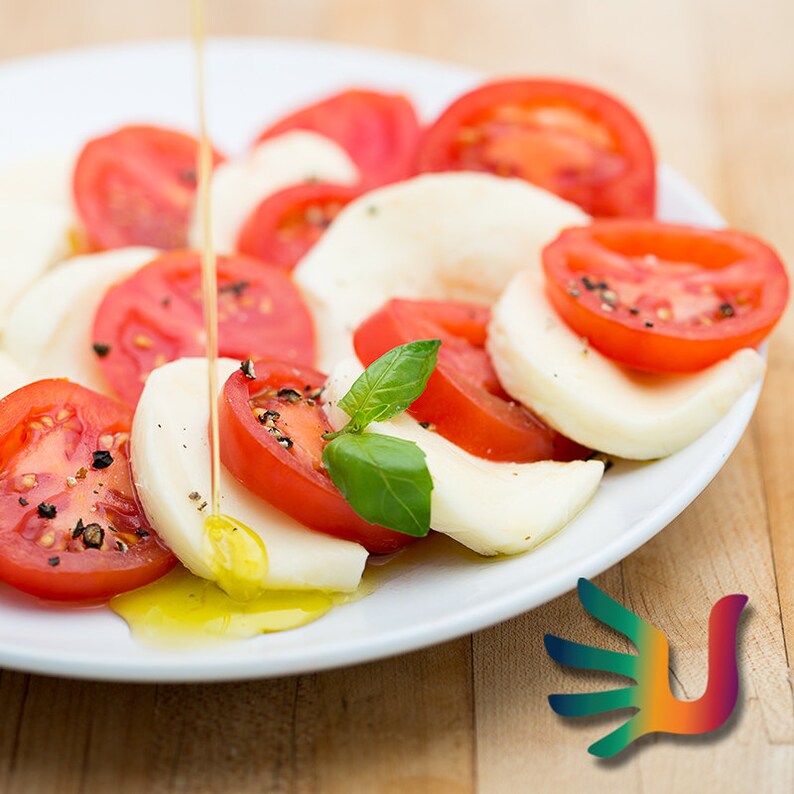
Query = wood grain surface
x=714 y=80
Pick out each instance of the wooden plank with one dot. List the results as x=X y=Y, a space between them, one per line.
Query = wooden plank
x=713 y=81
x=519 y=739
x=400 y=725
x=759 y=163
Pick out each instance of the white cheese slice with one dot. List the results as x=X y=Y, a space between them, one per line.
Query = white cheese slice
x=240 y=184
x=591 y=399
x=453 y=236
x=33 y=236
x=171 y=459
x=44 y=178
x=493 y=508
x=49 y=329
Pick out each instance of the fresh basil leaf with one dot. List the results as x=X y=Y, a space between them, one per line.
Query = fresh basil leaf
x=390 y=384
x=384 y=479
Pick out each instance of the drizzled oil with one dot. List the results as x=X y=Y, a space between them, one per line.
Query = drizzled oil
x=236 y=553
x=182 y=609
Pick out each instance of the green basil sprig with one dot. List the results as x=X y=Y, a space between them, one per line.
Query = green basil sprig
x=385 y=479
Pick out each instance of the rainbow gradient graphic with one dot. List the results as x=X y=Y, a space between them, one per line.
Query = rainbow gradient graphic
x=657 y=709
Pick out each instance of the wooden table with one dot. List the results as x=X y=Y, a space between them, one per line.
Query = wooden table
x=714 y=80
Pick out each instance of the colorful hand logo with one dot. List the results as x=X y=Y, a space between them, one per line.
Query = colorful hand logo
x=658 y=710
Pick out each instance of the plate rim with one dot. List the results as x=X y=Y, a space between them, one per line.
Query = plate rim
x=180 y=669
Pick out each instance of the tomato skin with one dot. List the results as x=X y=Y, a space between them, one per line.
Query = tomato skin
x=281 y=230
x=379 y=131
x=682 y=298
x=463 y=400
x=292 y=480
x=156 y=315
x=569 y=138
x=136 y=186
x=82 y=573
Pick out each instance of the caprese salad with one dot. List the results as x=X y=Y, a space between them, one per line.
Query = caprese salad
x=421 y=326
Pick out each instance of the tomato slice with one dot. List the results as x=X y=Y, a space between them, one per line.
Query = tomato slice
x=285 y=225
x=271 y=432
x=664 y=297
x=136 y=186
x=571 y=139
x=157 y=315
x=379 y=131
x=70 y=524
x=463 y=400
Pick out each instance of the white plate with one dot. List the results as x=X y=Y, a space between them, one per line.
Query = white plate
x=58 y=102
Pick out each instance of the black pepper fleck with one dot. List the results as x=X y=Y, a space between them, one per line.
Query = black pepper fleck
x=54 y=561
x=648 y=324
x=247 y=368
x=141 y=532
x=78 y=530
x=101 y=349
x=236 y=288
x=93 y=535
x=101 y=459
x=47 y=510
x=290 y=395
x=726 y=310
x=24 y=502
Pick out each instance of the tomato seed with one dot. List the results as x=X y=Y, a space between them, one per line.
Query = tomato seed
x=143 y=342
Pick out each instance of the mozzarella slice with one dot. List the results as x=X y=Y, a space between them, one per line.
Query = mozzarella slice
x=545 y=365
x=12 y=376
x=49 y=328
x=45 y=179
x=170 y=460
x=493 y=508
x=239 y=185
x=33 y=237
x=455 y=236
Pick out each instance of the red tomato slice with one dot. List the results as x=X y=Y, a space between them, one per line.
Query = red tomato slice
x=573 y=140
x=285 y=225
x=380 y=132
x=271 y=432
x=157 y=315
x=463 y=400
x=70 y=524
x=136 y=186
x=662 y=297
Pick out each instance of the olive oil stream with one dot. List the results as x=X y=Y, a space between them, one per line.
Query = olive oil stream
x=182 y=609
